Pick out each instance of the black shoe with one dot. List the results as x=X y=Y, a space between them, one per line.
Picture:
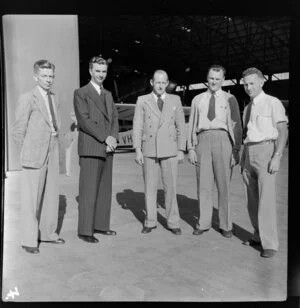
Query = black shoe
x=107 y=232
x=31 y=249
x=88 y=238
x=251 y=243
x=148 y=229
x=268 y=253
x=58 y=241
x=199 y=231
x=176 y=231
x=225 y=233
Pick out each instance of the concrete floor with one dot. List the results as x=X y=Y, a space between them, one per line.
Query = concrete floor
x=132 y=266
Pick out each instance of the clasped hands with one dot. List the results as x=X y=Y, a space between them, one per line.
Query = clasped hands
x=111 y=144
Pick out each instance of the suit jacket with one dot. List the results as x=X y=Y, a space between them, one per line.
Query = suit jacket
x=159 y=134
x=32 y=128
x=234 y=125
x=96 y=120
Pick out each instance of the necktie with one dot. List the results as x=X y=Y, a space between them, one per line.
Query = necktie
x=211 y=114
x=52 y=110
x=247 y=118
x=160 y=102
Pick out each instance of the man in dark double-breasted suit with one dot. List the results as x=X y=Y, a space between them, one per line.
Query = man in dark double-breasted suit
x=98 y=127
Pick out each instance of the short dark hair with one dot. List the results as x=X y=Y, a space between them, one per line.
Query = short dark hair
x=43 y=64
x=98 y=60
x=217 y=68
x=251 y=71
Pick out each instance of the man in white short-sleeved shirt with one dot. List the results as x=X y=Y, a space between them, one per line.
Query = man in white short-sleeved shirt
x=265 y=136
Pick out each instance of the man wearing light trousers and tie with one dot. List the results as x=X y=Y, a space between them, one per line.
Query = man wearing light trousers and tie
x=159 y=140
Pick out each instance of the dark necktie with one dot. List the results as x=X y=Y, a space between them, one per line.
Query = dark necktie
x=52 y=111
x=160 y=102
x=247 y=119
x=211 y=114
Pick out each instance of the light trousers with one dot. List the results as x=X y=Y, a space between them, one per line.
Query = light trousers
x=168 y=167
x=40 y=199
x=261 y=195
x=213 y=151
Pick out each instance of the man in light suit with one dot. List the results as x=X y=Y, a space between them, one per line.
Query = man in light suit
x=214 y=142
x=35 y=133
x=97 y=118
x=159 y=141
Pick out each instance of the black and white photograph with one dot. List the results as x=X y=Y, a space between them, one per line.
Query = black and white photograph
x=146 y=158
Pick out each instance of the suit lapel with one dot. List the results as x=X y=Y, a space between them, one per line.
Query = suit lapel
x=108 y=102
x=41 y=104
x=93 y=94
x=153 y=105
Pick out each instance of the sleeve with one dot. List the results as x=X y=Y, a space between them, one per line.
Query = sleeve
x=115 y=121
x=138 y=124
x=278 y=112
x=85 y=123
x=22 y=115
x=180 y=127
x=236 y=121
x=191 y=125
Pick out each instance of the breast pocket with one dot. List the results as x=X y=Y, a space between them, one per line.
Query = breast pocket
x=264 y=122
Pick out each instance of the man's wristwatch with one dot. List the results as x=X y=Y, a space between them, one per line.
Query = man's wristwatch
x=278 y=154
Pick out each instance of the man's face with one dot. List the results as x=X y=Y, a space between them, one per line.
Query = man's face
x=98 y=73
x=44 y=77
x=215 y=80
x=159 y=83
x=253 y=85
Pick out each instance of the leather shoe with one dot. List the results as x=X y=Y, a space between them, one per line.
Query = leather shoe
x=107 y=232
x=227 y=234
x=251 y=243
x=176 y=231
x=148 y=229
x=268 y=253
x=199 y=231
x=31 y=249
x=58 y=241
x=88 y=238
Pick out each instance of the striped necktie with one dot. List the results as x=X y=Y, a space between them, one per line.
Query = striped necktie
x=211 y=114
x=160 y=102
x=50 y=102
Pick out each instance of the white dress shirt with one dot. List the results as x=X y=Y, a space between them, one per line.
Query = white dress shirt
x=266 y=112
x=96 y=86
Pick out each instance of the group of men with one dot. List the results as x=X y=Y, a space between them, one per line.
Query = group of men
x=213 y=141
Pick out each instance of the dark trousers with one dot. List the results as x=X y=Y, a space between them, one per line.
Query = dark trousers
x=95 y=188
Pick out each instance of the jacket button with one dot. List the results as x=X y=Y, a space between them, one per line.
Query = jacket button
x=150 y=136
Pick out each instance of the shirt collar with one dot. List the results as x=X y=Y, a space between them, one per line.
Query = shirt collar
x=259 y=97
x=156 y=97
x=43 y=91
x=96 y=86
x=217 y=93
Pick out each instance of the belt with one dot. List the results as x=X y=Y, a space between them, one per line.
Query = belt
x=211 y=130
x=259 y=142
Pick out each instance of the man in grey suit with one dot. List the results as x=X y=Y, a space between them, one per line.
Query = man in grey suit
x=35 y=133
x=97 y=118
x=159 y=140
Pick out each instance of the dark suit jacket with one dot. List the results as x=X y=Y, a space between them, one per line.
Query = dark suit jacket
x=95 y=120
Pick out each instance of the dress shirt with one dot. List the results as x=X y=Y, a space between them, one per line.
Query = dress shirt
x=266 y=112
x=97 y=87
x=45 y=97
x=221 y=109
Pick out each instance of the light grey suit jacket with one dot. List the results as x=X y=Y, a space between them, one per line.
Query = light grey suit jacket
x=32 y=129
x=159 y=134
